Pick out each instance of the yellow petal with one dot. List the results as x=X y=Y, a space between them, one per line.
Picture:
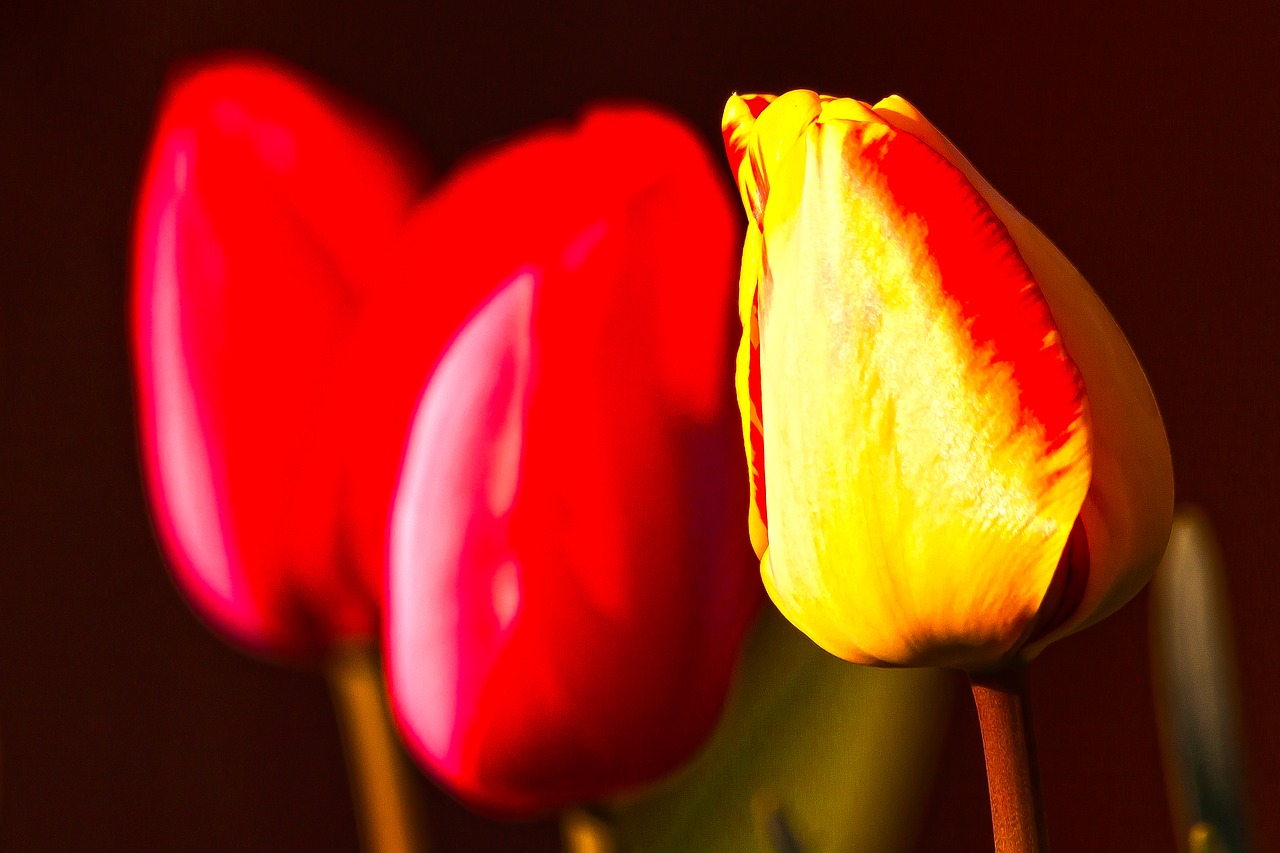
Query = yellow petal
x=1129 y=507
x=930 y=441
x=747 y=382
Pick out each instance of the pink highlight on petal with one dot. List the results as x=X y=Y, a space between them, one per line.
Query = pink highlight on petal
x=186 y=476
x=568 y=580
x=465 y=438
x=504 y=471
x=182 y=461
x=506 y=593
x=267 y=212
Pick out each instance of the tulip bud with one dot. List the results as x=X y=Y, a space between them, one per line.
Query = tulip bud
x=266 y=215
x=955 y=456
x=569 y=584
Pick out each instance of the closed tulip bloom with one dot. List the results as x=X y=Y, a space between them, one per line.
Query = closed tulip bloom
x=266 y=217
x=568 y=586
x=955 y=456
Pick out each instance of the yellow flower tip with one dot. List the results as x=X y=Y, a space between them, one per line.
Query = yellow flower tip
x=954 y=456
x=737 y=120
x=780 y=125
x=897 y=104
x=737 y=126
x=845 y=109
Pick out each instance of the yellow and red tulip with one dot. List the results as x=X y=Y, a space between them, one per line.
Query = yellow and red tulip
x=955 y=456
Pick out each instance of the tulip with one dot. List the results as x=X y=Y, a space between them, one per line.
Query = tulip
x=955 y=456
x=266 y=215
x=569 y=585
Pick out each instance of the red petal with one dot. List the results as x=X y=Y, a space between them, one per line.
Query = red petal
x=979 y=266
x=263 y=210
x=536 y=204
x=635 y=584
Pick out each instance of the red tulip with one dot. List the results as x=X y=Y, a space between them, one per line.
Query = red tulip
x=574 y=583
x=266 y=219
x=569 y=577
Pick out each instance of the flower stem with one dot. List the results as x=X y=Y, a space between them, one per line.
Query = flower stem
x=381 y=780
x=585 y=831
x=1008 y=741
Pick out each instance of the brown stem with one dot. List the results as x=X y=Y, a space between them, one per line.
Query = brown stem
x=1004 y=714
x=381 y=780
x=586 y=832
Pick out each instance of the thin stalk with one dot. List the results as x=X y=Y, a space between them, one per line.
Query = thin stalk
x=1008 y=741
x=381 y=779
x=584 y=831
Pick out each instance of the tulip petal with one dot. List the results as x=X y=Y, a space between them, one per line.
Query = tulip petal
x=463 y=456
x=634 y=580
x=264 y=208
x=747 y=385
x=1128 y=510
x=535 y=204
x=928 y=433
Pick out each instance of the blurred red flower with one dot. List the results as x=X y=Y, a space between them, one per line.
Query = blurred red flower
x=267 y=213
x=569 y=577
x=571 y=580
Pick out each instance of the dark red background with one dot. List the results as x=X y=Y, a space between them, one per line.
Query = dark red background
x=1142 y=142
